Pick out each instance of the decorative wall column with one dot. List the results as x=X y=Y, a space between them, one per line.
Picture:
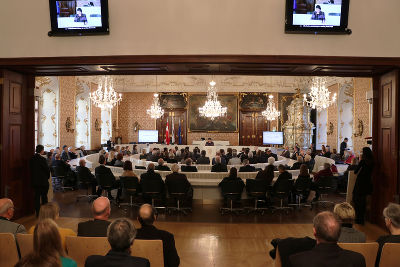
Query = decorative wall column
x=82 y=113
x=67 y=110
x=95 y=122
x=345 y=114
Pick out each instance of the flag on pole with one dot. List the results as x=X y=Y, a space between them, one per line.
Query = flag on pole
x=167 y=134
x=172 y=132
x=179 y=133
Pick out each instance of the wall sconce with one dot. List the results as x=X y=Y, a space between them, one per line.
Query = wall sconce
x=360 y=129
x=330 y=129
x=97 y=125
x=136 y=126
x=68 y=125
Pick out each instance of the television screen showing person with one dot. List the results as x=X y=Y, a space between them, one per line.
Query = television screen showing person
x=318 y=14
x=80 y=17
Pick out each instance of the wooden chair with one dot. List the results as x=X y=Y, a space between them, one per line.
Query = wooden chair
x=149 y=249
x=79 y=248
x=368 y=250
x=8 y=250
x=390 y=255
x=278 y=262
x=25 y=244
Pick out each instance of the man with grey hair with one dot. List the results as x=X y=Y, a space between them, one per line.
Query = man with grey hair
x=188 y=167
x=392 y=220
x=234 y=160
x=97 y=227
x=327 y=252
x=178 y=182
x=218 y=166
x=161 y=166
x=247 y=167
x=120 y=234
x=6 y=214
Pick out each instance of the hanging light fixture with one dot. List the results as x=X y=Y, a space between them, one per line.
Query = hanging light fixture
x=271 y=113
x=212 y=108
x=319 y=96
x=105 y=97
x=155 y=110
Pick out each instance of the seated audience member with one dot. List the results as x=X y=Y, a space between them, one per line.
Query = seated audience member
x=267 y=174
x=143 y=155
x=327 y=252
x=309 y=161
x=392 y=220
x=85 y=175
x=119 y=162
x=203 y=159
x=234 y=160
x=325 y=172
x=196 y=154
x=335 y=156
x=150 y=178
x=171 y=158
x=349 y=156
x=6 y=214
x=323 y=151
x=229 y=154
x=218 y=166
x=72 y=153
x=82 y=152
x=155 y=155
x=188 y=167
x=297 y=164
x=128 y=170
x=49 y=158
x=283 y=176
x=271 y=161
x=146 y=218
x=247 y=167
x=179 y=182
x=121 y=235
x=64 y=169
x=97 y=227
x=52 y=211
x=135 y=150
x=47 y=247
x=232 y=178
x=303 y=180
x=296 y=153
x=251 y=159
x=328 y=152
x=291 y=246
x=111 y=158
x=270 y=154
x=64 y=154
x=218 y=154
x=178 y=156
x=161 y=166
x=106 y=174
x=209 y=142
x=286 y=153
x=346 y=214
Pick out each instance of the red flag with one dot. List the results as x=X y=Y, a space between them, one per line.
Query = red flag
x=167 y=134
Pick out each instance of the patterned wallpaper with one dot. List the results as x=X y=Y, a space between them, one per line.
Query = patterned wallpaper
x=67 y=109
x=133 y=108
x=361 y=111
x=95 y=114
x=333 y=118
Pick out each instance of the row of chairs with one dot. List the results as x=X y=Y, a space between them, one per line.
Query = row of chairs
x=78 y=248
x=389 y=257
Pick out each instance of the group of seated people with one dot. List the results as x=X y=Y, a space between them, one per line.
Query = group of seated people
x=49 y=238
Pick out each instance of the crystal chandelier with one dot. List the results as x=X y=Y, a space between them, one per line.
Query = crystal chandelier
x=212 y=108
x=319 y=97
x=155 y=110
x=270 y=113
x=105 y=97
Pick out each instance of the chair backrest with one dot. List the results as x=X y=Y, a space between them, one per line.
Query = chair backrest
x=253 y=185
x=303 y=184
x=284 y=186
x=232 y=186
x=149 y=249
x=129 y=182
x=79 y=248
x=58 y=171
x=104 y=180
x=177 y=186
x=153 y=186
x=81 y=177
x=368 y=250
x=8 y=250
x=25 y=244
x=390 y=254
x=325 y=182
x=278 y=262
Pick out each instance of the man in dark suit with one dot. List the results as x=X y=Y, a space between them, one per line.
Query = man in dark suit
x=270 y=154
x=178 y=182
x=151 y=179
x=148 y=231
x=209 y=142
x=64 y=154
x=223 y=160
x=203 y=159
x=286 y=153
x=247 y=167
x=327 y=253
x=297 y=164
x=40 y=174
x=161 y=166
x=282 y=179
x=85 y=175
x=121 y=236
x=218 y=166
x=188 y=167
x=343 y=147
x=98 y=226
x=104 y=173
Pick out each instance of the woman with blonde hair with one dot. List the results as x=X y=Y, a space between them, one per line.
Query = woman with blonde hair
x=52 y=211
x=47 y=248
x=347 y=214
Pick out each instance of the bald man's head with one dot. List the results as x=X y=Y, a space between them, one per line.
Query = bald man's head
x=146 y=215
x=327 y=227
x=6 y=208
x=101 y=208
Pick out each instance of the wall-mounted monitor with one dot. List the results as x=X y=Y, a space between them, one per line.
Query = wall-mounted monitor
x=148 y=136
x=272 y=138
x=317 y=16
x=78 y=17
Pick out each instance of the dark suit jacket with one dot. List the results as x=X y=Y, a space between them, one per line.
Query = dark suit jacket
x=203 y=160
x=219 y=168
x=286 y=154
x=296 y=165
x=103 y=170
x=93 y=228
x=65 y=156
x=84 y=174
x=172 y=161
x=327 y=255
x=247 y=168
x=62 y=167
x=178 y=181
x=283 y=176
x=151 y=176
x=272 y=155
x=190 y=168
x=162 y=168
x=72 y=155
x=262 y=175
x=40 y=171
x=363 y=185
x=150 y=232
x=223 y=161
x=116 y=259
x=290 y=246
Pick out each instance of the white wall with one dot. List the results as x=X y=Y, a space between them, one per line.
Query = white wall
x=143 y=27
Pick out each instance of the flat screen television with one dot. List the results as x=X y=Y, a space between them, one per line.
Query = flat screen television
x=148 y=136
x=272 y=138
x=317 y=16
x=78 y=17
